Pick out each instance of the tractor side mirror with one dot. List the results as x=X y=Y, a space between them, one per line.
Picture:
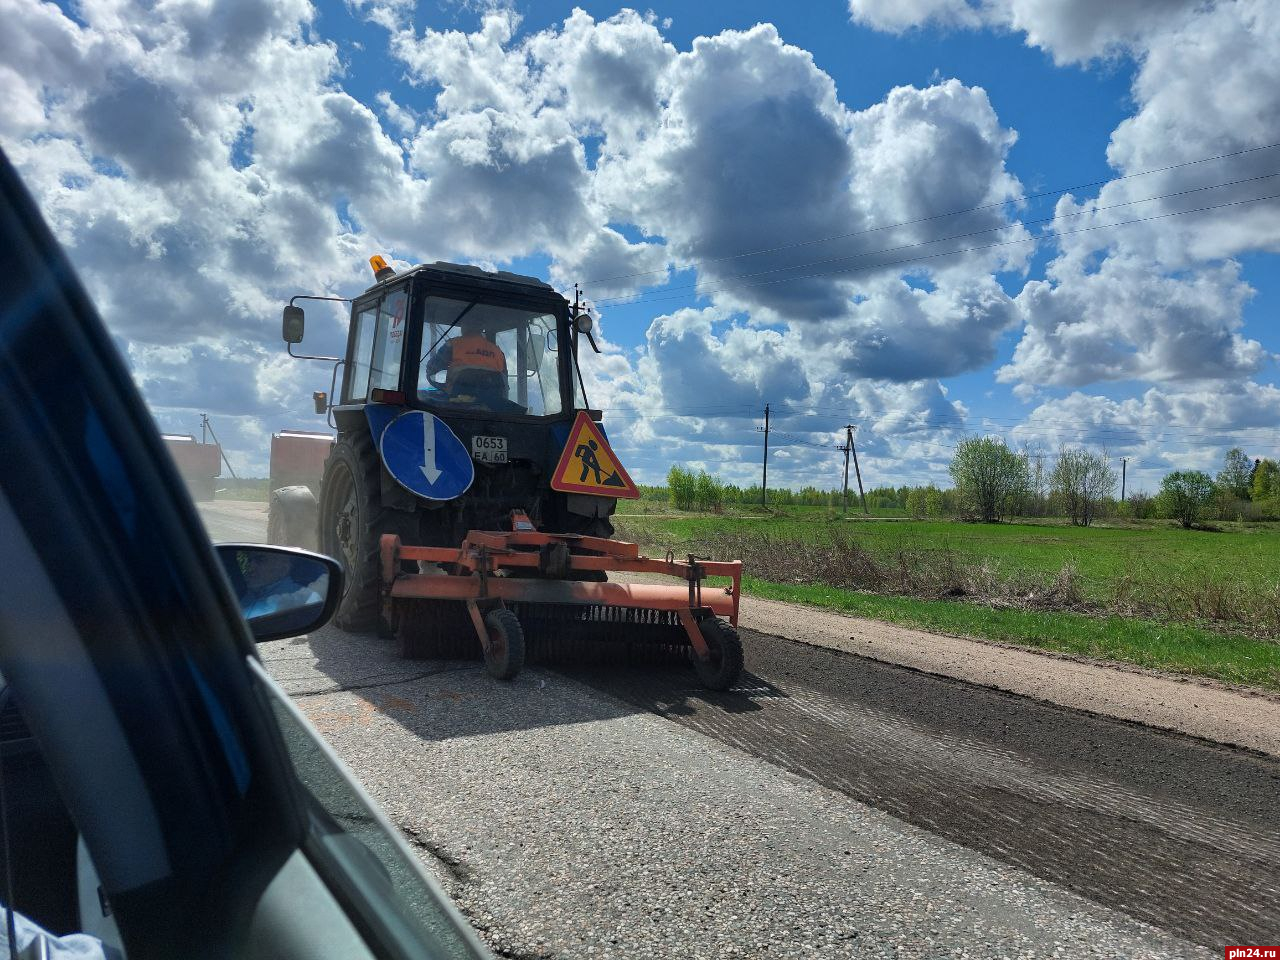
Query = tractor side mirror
x=321 y=400
x=293 y=324
x=582 y=324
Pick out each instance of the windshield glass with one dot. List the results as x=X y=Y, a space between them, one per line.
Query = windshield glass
x=487 y=357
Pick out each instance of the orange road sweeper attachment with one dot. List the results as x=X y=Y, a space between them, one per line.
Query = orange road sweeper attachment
x=512 y=595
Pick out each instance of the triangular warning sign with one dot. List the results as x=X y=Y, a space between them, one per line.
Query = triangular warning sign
x=588 y=465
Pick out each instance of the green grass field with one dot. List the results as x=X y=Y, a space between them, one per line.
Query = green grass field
x=1191 y=602
x=1100 y=554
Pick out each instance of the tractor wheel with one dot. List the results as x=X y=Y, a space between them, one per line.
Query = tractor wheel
x=724 y=667
x=505 y=656
x=275 y=529
x=351 y=521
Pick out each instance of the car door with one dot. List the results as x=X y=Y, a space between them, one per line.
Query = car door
x=215 y=821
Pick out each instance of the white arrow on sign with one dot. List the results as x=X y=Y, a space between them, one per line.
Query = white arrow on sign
x=429 y=468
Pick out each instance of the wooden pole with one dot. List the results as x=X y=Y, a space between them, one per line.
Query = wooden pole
x=764 y=475
x=854 y=449
x=847 y=445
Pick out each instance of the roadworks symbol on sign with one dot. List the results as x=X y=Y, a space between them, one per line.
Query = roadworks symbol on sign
x=589 y=466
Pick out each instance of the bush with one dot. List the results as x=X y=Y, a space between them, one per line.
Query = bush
x=1264 y=485
x=1184 y=494
x=1142 y=506
x=683 y=485
x=990 y=478
x=916 y=502
x=933 y=502
x=694 y=491
x=708 y=492
x=1081 y=481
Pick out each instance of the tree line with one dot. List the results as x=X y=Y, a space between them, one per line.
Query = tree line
x=993 y=482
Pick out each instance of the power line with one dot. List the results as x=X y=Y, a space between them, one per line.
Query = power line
x=1126 y=436
x=951 y=253
x=954 y=213
x=1080 y=426
x=703 y=284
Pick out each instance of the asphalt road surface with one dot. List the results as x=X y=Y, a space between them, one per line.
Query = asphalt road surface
x=1180 y=833
x=830 y=805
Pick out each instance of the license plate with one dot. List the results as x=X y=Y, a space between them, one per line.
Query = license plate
x=489 y=449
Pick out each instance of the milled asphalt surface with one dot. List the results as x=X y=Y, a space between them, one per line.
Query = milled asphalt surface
x=833 y=806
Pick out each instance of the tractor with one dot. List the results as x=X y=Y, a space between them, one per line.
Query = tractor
x=470 y=491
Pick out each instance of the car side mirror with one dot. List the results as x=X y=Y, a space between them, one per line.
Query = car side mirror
x=283 y=592
x=293 y=324
x=321 y=401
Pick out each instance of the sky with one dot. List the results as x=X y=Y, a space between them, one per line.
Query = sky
x=931 y=219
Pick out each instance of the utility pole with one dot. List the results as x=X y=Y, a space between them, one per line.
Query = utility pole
x=206 y=424
x=848 y=429
x=764 y=476
x=845 y=448
x=1124 y=469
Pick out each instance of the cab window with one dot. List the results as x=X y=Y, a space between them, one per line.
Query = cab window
x=489 y=357
x=365 y=324
x=388 y=341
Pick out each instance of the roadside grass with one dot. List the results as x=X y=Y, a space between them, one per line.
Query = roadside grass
x=1102 y=558
x=1173 y=648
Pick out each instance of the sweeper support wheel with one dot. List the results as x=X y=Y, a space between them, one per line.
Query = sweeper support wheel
x=723 y=665
x=504 y=646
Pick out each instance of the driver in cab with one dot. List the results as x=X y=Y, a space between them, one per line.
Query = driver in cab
x=474 y=366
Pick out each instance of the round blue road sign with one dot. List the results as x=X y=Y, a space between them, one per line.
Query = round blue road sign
x=425 y=456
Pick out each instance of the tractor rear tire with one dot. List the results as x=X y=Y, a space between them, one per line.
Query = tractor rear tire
x=352 y=520
x=292 y=517
x=505 y=656
x=724 y=667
